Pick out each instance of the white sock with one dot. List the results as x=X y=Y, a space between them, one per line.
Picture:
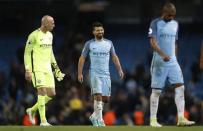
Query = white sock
x=98 y=109
x=95 y=106
x=154 y=102
x=180 y=100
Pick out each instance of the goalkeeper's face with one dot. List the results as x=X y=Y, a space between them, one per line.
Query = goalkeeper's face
x=98 y=32
x=50 y=24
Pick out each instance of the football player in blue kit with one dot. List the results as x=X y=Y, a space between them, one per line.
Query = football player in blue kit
x=99 y=50
x=163 y=33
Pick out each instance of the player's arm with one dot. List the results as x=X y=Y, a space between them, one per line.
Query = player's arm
x=116 y=62
x=176 y=49
x=28 y=57
x=156 y=48
x=152 y=35
x=201 y=57
x=80 y=68
x=57 y=72
x=81 y=61
x=176 y=44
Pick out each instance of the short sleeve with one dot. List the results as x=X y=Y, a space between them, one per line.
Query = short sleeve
x=152 y=29
x=113 y=52
x=86 y=49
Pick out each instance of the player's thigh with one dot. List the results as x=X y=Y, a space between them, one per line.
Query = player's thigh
x=159 y=75
x=175 y=75
x=50 y=84
x=38 y=79
x=106 y=86
x=95 y=84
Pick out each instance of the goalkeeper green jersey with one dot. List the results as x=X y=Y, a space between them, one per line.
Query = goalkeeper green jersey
x=38 y=54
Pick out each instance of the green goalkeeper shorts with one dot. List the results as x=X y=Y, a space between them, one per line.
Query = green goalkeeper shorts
x=43 y=79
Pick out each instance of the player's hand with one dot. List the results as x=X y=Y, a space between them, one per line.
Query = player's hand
x=58 y=74
x=166 y=58
x=121 y=74
x=28 y=75
x=80 y=78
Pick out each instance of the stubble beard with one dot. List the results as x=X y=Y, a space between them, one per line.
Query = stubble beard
x=99 y=36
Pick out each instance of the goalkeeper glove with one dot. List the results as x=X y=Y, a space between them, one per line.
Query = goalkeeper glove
x=57 y=73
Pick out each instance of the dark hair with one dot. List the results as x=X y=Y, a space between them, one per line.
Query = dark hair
x=169 y=7
x=96 y=24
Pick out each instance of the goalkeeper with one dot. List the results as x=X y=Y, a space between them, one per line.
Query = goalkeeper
x=39 y=61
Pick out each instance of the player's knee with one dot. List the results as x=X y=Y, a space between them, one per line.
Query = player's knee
x=156 y=92
x=98 y=97
x=42 y=91
x=180 y=90
x=105 y=99
x=51 y=94
x=178 y=85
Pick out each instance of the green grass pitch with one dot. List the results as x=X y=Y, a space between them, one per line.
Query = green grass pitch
x=108 y=128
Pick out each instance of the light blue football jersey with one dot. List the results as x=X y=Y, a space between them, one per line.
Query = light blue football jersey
x=99 y=53
x=166 y=34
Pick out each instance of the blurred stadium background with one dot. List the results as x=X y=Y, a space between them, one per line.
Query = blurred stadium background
x=126 y=24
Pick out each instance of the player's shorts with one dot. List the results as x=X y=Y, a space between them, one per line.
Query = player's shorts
x=100 y=85
x=43 y=79
x=161 y=74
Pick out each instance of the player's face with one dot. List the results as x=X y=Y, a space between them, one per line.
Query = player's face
x=168 y=16
x=50 y=24
x=98 y=32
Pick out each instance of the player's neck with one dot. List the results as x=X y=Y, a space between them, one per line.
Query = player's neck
x=43 y=29
x=98 y=39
